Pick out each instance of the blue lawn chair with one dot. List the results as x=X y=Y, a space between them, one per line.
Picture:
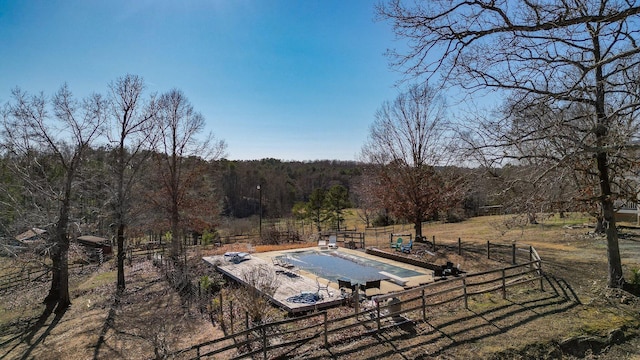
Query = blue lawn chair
x=407 y=248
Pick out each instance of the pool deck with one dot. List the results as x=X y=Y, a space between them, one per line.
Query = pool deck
x=294 y=282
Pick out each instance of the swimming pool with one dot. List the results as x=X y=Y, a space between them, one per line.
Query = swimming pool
x=334 y=265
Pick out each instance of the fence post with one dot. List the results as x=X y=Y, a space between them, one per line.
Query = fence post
x=326 y=331
x=231 y=314
x=504 y=284
x=378 y=314
x=246 y=323
x=513 y=254
x=434 y=243
x=356 y=303
x=540 y=274
x=464 y=289
x=424 y=307
x=459 y=246
x=264 y=341
x=488 y=249
x=221 y=309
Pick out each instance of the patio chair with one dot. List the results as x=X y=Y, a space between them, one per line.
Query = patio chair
x=346 y=284
x=397 y=245
x=323 y=287
x=373 y=284
x=407 y=248
x=322 y=244
x=332 y=242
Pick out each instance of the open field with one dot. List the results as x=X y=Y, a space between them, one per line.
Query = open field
x=151 y=320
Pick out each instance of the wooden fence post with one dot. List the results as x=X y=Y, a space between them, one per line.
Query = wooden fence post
x=326 y=331
x=424 y=307
x=378 y=314
x=246 y=323
x=504 y=285
x=231 y=314
x=459 y=246
x=221 y=310
x=264 y=341
x=540 y=274
x=356 y=296
x=464 y=289
x=434 y=243
x=488 y=249
x=513 y=254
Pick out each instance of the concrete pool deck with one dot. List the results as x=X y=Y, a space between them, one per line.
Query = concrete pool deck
x=294 y=282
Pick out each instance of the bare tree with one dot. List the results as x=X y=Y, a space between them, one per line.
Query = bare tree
x=578 y=57
x=366 y=202
x=129 y=136
x=260 y=283
x=407 y=141
x=30 y=131
x=179 y=151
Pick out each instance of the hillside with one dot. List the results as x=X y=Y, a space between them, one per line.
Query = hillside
x=151 y=320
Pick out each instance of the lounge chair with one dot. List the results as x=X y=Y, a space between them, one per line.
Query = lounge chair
x=407 y=248
x=397 y=245
x=278 y=261
x=323 y=287
x=332 y=242
x=236 y=257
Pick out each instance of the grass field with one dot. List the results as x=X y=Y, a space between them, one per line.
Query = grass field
x=151 y=319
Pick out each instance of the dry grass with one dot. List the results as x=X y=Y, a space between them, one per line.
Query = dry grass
x=280 y=247
x=150 y=319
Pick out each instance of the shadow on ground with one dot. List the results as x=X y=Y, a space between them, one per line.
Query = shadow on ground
x=438 y=335
x=31 y=333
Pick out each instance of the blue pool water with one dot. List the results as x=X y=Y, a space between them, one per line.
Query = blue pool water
x=333 y=265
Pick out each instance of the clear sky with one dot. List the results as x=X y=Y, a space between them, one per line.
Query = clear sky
x=292 y=80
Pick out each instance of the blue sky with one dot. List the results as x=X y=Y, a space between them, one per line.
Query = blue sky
x=292 y=80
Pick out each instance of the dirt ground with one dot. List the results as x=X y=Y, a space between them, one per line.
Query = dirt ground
x=575 y=317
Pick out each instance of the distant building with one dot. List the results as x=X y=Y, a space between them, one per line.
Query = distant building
x=627 y=211
x=95 y=242
x=32 y=236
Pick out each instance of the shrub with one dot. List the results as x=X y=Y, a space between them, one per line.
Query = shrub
x=635 y=276
x=382 y=220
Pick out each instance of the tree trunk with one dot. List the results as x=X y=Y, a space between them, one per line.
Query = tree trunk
x=64 y=300
x=418 y=226
x=52 y=297
x=59 y=291
x=599 y=225
x=615 y=278
x=175 y=239
x=121 y=256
